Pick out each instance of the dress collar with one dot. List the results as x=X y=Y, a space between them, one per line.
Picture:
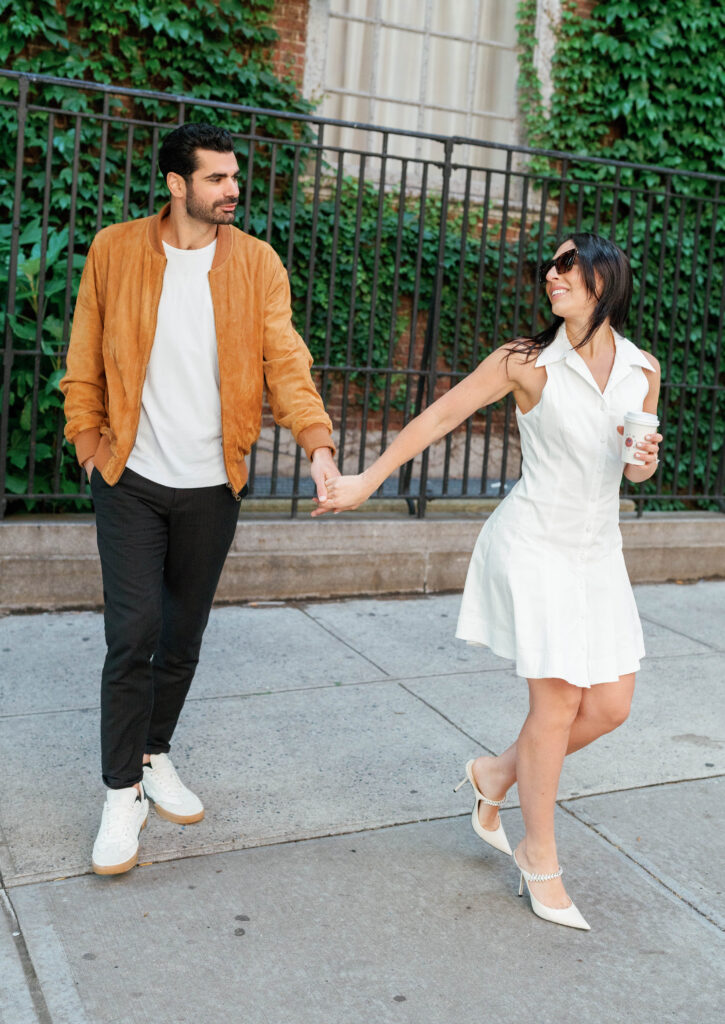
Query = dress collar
x=626 y=356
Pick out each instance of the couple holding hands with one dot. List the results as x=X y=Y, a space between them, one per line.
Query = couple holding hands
x=181 y=321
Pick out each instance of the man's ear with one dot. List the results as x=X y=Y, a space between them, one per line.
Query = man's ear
x=176 y=185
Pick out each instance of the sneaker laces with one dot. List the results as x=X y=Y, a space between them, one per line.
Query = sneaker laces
x=118 y=820
x=165 y=773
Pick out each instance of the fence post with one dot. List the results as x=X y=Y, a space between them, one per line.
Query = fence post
x=673 y=225
x=23 y=85
x=429 y=358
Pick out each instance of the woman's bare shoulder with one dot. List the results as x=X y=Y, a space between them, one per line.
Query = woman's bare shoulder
x=520 y=357
x=652 y=360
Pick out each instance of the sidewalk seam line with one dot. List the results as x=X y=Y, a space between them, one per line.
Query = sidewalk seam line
x=634 y=789
x=643 y=867
x=5 y=853
x=387 y=678
x=341 y=641
x=445 y=718
x=254 y=693
x=272 y=841
x=35 y=989
x=678 y=632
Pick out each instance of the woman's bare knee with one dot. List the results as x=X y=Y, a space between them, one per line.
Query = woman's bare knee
x=622 y=713
x=607 y=705
x=613 y=715
x=603 y=720
x=554 y=703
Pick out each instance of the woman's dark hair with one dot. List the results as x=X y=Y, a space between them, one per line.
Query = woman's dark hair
x=178 y=150
x=595 y=254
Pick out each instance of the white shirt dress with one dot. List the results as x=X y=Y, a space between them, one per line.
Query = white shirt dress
x=547 y=586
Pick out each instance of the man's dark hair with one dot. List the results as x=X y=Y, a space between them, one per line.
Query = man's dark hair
x=178 y=150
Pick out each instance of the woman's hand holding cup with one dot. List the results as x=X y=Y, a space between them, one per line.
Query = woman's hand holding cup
x=640 y=440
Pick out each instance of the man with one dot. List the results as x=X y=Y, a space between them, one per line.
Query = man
x=181 y=321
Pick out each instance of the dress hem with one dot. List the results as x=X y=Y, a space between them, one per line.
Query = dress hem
x=520 y=671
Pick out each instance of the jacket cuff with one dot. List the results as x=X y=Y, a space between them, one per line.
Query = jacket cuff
x=86 y=444
x=316 y=436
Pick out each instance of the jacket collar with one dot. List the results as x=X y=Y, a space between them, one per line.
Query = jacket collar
x=626 y=356
x=223 y=236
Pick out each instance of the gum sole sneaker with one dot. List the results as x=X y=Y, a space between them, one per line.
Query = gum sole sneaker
x=125 y=813
x=171 y=798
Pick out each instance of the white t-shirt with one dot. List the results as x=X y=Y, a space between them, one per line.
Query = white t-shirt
x=179 y=438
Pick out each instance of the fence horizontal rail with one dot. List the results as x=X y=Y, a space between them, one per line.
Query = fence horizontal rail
x=406 y=270
x=182 y=100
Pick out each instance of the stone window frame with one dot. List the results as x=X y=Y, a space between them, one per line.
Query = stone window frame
x=322 y=12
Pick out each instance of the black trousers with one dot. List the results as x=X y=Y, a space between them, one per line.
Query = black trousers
x=162 y=551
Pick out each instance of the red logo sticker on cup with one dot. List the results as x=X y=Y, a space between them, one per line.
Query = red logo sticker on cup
x=629 y=441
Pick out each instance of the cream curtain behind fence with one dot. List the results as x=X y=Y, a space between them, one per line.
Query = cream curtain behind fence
x=441 y=66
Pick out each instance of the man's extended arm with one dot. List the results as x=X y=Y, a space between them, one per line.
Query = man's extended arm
x=293 y=398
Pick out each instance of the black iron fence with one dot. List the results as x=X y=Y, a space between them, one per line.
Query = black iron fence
x=410 y=257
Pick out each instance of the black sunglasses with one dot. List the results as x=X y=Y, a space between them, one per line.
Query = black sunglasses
x=563 y=264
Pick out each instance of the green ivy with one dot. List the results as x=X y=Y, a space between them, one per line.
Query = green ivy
x=624 y=89
x=650 y=86
x=383 y=282
x=358 y=324
x=212 y=49
x=350 y=237
x=529 y=86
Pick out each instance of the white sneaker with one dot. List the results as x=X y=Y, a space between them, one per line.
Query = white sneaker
x=124 y=815
x=172 y=799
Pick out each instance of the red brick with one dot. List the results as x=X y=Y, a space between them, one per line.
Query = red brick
x=289 y=19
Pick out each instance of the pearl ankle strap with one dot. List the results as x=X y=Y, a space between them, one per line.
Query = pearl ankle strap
x=544 y=878
x=491 y=803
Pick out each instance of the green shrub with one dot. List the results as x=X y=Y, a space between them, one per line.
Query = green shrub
x=210 y=50
x=364 y=269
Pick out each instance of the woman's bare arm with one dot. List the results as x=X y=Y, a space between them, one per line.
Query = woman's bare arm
x=493 y=379
x=650 y=452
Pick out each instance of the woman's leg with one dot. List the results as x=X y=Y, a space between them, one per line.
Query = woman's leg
x=540 y=751
x=602 y=708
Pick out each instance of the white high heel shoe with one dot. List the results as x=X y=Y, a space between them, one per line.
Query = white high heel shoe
x=568 y=916
x=494 y=837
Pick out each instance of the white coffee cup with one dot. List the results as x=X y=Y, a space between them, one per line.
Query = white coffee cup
x=636 y=427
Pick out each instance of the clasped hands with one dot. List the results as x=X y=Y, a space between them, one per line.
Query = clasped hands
x=343 y=494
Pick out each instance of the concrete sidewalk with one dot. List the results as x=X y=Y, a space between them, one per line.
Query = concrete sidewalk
x=336 y=878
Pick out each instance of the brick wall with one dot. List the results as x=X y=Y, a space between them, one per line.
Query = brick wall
x=290 y=21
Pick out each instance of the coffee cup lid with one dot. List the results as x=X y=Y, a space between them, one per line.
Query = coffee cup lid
x=647 y=419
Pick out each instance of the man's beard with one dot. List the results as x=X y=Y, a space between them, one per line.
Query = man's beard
x=209 y=213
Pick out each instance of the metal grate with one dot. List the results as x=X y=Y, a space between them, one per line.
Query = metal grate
x=400 y=290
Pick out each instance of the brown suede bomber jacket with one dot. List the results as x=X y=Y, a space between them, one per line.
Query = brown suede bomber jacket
x=114 y=327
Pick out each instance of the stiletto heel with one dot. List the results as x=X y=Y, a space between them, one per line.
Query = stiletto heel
x=494 y=837
x=568 y=916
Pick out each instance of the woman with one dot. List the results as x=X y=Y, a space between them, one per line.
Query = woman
x=547 y=585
